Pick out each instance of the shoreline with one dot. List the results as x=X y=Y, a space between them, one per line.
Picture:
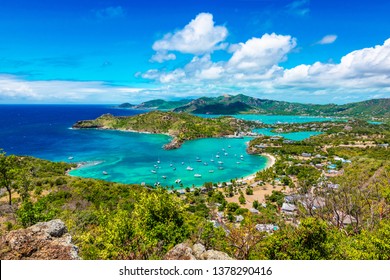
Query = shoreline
x=271 y=160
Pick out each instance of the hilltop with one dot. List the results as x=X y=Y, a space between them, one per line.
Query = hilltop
x=181 y=126
x=242 y=104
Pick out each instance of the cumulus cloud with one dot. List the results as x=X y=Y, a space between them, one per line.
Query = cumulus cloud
x=254 y=67
x=328 y=39
x=260 y=54
x=365 y=68
x=198 y=37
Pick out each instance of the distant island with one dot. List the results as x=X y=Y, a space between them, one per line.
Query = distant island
x=242 y=104
x=181 y=126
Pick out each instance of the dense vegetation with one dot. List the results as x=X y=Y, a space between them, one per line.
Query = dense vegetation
x=227 y=104
x=181 y=126
x=338 y=185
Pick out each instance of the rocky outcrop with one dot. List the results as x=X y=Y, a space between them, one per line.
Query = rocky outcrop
x=184 y=251
x=174 y=144
x=43 y=241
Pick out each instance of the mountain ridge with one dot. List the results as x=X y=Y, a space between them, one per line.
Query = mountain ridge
x=243 y=104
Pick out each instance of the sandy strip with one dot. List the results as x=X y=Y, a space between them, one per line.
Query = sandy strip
x=270 y=162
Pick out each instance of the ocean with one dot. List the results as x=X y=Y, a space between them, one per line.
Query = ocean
x=44 y=131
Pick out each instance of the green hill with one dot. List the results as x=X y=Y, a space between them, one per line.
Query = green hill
x=181 y=126
x=242 y=104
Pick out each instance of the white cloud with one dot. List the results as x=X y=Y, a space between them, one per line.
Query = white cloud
x=198 y=37
x=162 y=56
x=260 y=54
x=15 y=89
x=253 y=68
x=328 y=39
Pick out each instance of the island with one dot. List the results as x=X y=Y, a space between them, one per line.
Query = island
x=180 y=126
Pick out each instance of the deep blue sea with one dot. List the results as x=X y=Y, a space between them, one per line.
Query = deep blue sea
x=44 y=131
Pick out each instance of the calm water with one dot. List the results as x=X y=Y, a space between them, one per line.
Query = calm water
x=274 y=119
x=297 y=136
x=44 y=132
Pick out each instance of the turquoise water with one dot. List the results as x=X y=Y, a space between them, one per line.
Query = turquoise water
x=274 y=119
x=297 y=136
x=43 y=131
x=130 y=158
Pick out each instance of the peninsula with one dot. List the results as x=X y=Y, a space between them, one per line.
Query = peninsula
x=180 y=126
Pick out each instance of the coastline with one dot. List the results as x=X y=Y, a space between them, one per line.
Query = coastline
x=270 y=162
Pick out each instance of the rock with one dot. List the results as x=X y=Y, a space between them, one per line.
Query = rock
x=180 y=252
x=184 y=251
x=215 y=255
x=43 y=241
x=198 y=250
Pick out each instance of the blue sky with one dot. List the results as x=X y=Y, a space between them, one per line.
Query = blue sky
x=130 y=51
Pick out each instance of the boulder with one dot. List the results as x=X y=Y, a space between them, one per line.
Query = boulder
x=184 y=251
x=42 y=241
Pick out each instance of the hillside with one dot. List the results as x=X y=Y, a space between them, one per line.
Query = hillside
x=181 y=126
x=159 y=104
x=242 y=104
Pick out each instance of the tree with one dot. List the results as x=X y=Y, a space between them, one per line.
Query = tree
x=7 y=173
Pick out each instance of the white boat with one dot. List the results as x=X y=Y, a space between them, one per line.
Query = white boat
x=217 y=156
x=157 y=184
x=238 y=162
x=220 y=168
x=226 y=154
x=153 y=171
x=211 y=171
x=164 y=177
x=158 y=161
x=189 y=168
x=211 y=160
x=174 y=168
x=70 y=158
x=220 y=162
x=177 y=181
x=105 y=173
x=197 y=175
x=182 y=163
x=229 y=146
x=171 y=165
x=205 y=163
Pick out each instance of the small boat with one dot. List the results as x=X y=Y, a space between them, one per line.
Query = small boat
x=158 y=161
x=197 y=175
x=164 y=177
x=217 y=156
x=229 y=146
x=157 y=184
x=155 y=165
x=171 y=165
x=211 y=160
x=177 y=181
x=174 y=168
x=220 y=162
x=70 y=158
x=223 y=149
x=198 y=160
x=220 y=168
x=189 y=168
x=153 y=171
x=205 y=163
x=226 y=154
x=182 y=163
x=238 y=162
x=241 y=156
x=211 y=171
x=105 y=173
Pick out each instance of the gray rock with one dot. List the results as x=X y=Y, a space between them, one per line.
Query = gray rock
x=198 y=250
